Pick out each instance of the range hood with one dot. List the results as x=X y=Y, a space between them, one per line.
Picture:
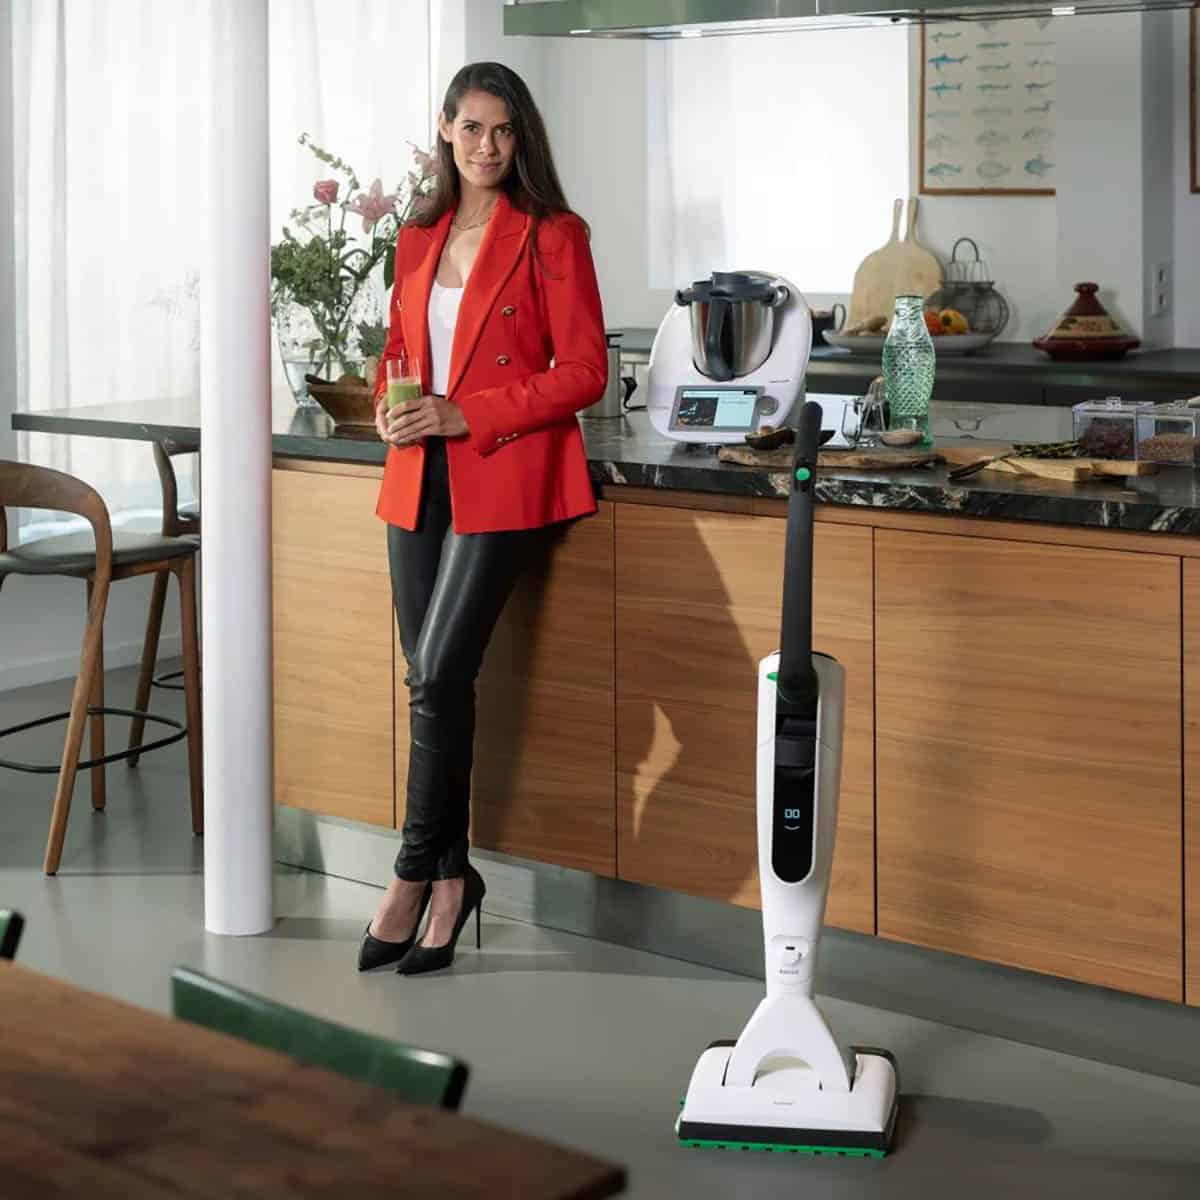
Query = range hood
x=658 y=19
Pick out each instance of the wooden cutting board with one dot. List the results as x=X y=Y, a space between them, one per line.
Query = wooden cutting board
x=872 y=281
x=1070 y=470
x=845 y=460
x=898 y=268
x=918 y=272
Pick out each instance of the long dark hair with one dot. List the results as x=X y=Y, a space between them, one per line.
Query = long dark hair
x=532 y=184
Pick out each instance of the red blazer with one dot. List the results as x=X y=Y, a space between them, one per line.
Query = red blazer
x=522 y=463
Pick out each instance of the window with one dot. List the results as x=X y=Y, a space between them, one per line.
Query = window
x=776 y=152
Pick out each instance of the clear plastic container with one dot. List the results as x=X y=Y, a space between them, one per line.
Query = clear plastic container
x=1110 y=428
x=1170 y=433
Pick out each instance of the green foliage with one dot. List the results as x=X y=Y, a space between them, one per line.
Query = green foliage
x=321 y=267
x=372 y=338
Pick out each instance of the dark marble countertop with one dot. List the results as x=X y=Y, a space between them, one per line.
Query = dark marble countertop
x=626 y=451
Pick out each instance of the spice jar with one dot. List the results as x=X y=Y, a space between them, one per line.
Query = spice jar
x=1170 y=433
x=1109 y=428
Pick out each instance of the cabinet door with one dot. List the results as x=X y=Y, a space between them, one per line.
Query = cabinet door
x=542 y=786
x=1191 y=767
x=1028 y=753
x=333 y=647
x=698 y=606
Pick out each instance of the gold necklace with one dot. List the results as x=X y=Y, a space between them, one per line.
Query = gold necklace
x=475 y=224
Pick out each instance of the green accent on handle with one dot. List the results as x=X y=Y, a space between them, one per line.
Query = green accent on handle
x=772 y=675
x=803 y=474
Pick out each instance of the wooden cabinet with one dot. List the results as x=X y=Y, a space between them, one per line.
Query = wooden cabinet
x=1191 y=771
x=698 y=598
x=542 y=787
x=333 y=649
x=1028 y=752
x=1021 y=768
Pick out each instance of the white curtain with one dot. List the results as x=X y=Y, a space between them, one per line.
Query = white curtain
x=109 y=103
x=768 y=156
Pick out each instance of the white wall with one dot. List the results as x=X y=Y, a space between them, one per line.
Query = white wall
x=1159 y=118
x=1111 y=218
x=1186 y=300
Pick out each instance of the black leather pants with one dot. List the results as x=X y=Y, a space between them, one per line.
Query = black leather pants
x=449 y=590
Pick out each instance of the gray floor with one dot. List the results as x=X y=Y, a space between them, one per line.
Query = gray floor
x=579 y=1041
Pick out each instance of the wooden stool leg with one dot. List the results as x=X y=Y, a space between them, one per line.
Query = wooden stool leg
x=191 y=686
x=74 y=739
x=141 y=701
x=99 y=797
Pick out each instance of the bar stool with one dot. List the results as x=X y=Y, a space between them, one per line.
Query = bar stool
x=98 y=557
x=176 y=522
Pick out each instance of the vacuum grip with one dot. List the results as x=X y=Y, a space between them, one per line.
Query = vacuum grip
x=808 y=436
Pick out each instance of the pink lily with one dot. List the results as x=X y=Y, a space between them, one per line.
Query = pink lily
x=372 y=205
x=426 y=165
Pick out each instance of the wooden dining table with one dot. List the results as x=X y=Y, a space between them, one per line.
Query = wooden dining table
x=102 y=1099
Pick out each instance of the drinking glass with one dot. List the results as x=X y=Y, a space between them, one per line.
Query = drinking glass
x=863 y=420
x=403 y=380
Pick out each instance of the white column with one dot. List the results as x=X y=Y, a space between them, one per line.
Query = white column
x=235 y=479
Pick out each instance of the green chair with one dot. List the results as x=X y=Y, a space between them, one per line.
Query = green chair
x=11 y=924
x=422 y=1076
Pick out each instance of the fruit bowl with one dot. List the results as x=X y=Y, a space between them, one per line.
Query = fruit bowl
x=871 y=344
x=349 y=401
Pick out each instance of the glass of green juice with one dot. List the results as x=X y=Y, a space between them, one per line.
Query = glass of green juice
x=403 y=381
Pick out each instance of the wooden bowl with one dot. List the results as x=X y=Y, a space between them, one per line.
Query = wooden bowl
x=346 y=403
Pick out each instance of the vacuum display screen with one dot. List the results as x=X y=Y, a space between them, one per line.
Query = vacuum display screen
x=716 y=408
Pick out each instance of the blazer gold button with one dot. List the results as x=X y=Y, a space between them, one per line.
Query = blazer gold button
x=502 y=361
x=508 y=310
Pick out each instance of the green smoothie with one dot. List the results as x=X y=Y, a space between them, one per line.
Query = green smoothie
x=401 y=391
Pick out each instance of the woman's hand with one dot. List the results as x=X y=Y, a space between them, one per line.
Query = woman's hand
x=426 y=416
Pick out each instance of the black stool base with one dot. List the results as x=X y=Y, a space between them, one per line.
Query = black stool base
x=116 y=756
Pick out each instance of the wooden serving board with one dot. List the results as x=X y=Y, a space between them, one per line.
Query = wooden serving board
x=872 y=281
x=1070 y=470
x=844 y=460
x=918 y=272
x=897 y=268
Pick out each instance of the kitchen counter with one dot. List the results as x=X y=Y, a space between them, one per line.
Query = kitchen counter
x=627 y=451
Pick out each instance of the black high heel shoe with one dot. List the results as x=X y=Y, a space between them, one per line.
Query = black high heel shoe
x=375 y=952
x=431 y=958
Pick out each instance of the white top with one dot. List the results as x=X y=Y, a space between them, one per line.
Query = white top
x=443 y=316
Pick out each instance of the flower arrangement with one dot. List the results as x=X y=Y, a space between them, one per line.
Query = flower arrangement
x=321 y=267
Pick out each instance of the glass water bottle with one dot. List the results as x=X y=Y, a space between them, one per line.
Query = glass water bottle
x=909 y=363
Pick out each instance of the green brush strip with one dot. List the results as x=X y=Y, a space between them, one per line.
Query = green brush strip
x=836 y=1151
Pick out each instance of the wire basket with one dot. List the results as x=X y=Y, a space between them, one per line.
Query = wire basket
x=968 y=290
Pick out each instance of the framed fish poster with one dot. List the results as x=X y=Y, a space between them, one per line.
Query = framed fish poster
x=987 y=108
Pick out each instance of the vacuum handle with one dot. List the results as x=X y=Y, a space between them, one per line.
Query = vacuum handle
x=797 y=681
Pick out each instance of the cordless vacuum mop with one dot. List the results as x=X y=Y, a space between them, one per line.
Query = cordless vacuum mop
x=787 y=1083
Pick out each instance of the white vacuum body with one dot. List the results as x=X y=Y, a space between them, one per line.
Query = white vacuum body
x=787 y=1083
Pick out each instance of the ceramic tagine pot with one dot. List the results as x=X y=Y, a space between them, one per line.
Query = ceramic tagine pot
x=1086 y=330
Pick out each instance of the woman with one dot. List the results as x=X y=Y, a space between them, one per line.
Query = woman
x=493 y=281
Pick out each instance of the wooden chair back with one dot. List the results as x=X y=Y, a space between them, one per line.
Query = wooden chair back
x=26 y=485
x=173 y=525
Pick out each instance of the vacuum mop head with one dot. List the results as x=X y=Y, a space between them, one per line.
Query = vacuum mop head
x=786 y=1109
